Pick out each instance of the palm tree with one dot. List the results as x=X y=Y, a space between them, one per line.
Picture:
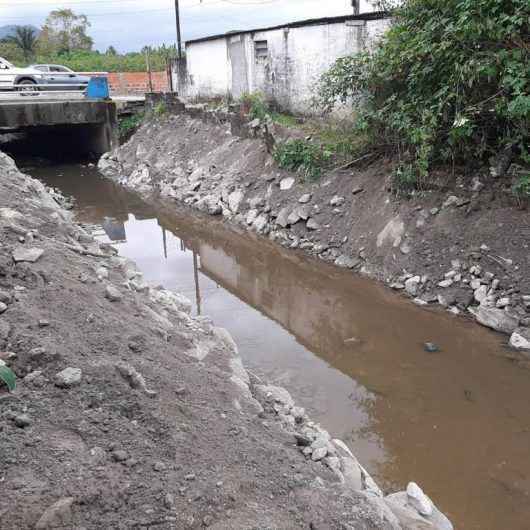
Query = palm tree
x=25 y=38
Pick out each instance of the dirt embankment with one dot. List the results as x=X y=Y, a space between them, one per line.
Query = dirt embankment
x=465 y=246
x=130 y=413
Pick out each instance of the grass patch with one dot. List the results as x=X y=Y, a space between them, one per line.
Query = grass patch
x=285 y=120
x=302 y=156
x=129 y=124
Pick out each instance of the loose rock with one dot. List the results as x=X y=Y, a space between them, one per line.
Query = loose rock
x=286 y=183
x=497 y=319
x=22 y=421
x=112 y=294
x=520 y=339
x=58 y=515
x=68 y=378
x=312 y=224
x=30 y=255
x=418 y=499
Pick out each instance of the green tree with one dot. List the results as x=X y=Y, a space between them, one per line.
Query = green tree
x=64 y=32
x=11 y=52
x=111 y=50
x=448 y=83
x=24 y=38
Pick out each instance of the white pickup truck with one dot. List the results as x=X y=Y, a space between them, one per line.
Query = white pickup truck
x=14 y=78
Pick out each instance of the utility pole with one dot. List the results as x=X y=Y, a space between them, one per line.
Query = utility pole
x=179 y=39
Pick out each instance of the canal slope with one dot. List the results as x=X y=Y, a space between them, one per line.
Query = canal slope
x=465 y=245
x=132 y=413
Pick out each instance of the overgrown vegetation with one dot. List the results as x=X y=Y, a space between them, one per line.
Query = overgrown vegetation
x=522 y=187
x=129 y=124
x=326 y=140
x=448 y=84
x=254 y=105
x=302 y=155
x=160 y=109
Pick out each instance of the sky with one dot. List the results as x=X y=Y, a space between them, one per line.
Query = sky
x=128 y=25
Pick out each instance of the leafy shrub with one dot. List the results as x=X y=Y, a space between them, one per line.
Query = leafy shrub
x=448 y=83
x=160 y=109
x=130 y=123
x=296 y=155
x=255 y=105
x=521 y=188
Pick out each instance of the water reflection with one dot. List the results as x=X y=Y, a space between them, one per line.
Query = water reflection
x=350 y=351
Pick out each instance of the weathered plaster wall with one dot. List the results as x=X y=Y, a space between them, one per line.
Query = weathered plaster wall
x=209 y=74
x=295 y=59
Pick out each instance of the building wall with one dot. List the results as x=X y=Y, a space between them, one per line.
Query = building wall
x=289 y=68
x=208 y=69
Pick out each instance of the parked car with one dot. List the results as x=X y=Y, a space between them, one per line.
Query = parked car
x=27 y=78
x=56 y=75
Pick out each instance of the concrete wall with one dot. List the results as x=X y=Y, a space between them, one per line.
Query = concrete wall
x=208 y=67
x=90 y=125
x=287 y=72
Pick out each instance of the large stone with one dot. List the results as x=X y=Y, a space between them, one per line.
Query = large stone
x=319 y=453
x=274 y=394
x=312 y=224
x=497 y=319
x=411 y=519
x=305 y=198
x=412 y=285
x=112 y=294
x=58 y=515
x=452 y=200
x=68 y=378
x=294 y=217
x=481 y=293
x=134 y=378
x=251 y=216
x=346 y=262
x=286 y=183
x=418 y=499
x=283 y=216
x=234 y=200
x=30 y=255
x=392 y=232
x=303 y=212
x=3 y=307
x=336 y=201
x=520 y=339
x=260 y=223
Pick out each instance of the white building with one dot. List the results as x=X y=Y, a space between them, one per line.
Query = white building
x=282 y=62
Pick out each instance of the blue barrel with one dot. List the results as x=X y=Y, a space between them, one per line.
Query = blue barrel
x=98 y=88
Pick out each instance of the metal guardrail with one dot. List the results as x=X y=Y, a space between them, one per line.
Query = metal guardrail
x=69 y=91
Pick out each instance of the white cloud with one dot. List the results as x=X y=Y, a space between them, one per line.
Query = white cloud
x=131 y=24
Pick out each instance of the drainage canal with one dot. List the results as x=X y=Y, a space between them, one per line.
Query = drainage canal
x=456 y=421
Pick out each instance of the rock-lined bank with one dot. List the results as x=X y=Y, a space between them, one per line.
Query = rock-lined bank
x=464 y=247
x=130 y=413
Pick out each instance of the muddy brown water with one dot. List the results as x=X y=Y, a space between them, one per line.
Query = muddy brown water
x=349 y=350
